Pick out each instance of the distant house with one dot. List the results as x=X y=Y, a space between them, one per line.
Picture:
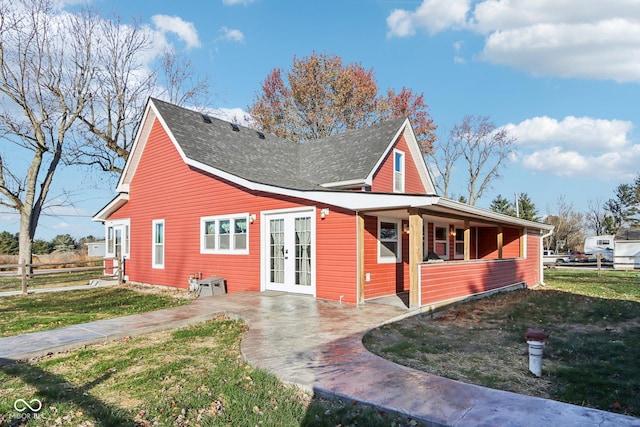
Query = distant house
x=349 y=218
x=97 y=248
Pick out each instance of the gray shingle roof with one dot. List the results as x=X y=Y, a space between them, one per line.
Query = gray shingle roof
x=276 y=161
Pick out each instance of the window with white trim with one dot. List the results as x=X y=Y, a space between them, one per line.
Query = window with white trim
x=389 y=241
x=459 y=243
x=398 y=171
x=441 y=241
x=225 y=234
x=158 y=244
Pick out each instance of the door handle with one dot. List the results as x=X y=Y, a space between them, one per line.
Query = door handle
x=286 y=254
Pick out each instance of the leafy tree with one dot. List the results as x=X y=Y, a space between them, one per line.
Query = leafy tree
x=625 y=206
x=526 y=208
x=64 y=242
x=321 y=97
x=8 y=243
x=42 y=247
x=502 y=205
x=480 y=146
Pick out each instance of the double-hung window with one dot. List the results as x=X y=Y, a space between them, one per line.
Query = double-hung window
x=225 y=234
x=459 y=243
x=441 y=241
x=158 y=244
x=398 y=171
x=389 y=241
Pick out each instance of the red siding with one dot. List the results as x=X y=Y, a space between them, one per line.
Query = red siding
x=383 y=178
x=385 y=278
x=164 y=187
x=443 y=281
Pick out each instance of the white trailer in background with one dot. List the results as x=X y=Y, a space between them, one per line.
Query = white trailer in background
x=603 y=245
x=626 y=254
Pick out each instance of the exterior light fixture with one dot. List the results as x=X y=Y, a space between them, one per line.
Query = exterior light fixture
x=324 y=212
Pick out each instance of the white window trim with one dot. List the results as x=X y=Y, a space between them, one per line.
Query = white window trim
x=435 y=241
x=216 y=218
x=153 y=243
x=398 y=258
x=402 y=171
x=124 y=224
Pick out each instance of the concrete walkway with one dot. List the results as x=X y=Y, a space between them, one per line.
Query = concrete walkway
x=317 y=345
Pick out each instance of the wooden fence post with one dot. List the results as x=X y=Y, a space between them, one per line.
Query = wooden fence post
x=599 y=263
x=120 y=270
x=23 y=269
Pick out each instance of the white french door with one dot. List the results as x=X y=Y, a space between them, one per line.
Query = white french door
x=290 y=252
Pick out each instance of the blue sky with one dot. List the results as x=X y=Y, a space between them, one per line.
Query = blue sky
x=560 y=75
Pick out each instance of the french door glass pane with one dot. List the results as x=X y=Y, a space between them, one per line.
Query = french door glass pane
x=303 y=251
x=276 y=250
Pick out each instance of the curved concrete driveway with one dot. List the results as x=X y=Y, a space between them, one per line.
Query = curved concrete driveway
x=317 y=345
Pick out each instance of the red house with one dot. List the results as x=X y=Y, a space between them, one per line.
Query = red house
x=350 y=217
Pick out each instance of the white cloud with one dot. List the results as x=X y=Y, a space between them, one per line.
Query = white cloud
x=581 y=133
x=185 y=31
x=565 y=38
x=577 y=147
x=233 y=115
x=433 y=15
x=231 y=35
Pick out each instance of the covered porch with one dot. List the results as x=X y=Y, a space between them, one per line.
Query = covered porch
x=444 y=251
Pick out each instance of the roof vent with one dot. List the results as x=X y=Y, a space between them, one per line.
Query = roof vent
x=206 y=118
x=235 y=127
x=260 y=135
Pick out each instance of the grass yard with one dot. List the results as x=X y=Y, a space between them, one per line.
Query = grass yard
x=56 y=280
x=38 y=312
x=188 y=377
x=592 y=357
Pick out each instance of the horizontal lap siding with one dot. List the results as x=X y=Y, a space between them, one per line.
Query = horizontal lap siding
x=387 y=278
x=383 y=178
x=164 y=187
x=336 y=249
x=443 y=281
x=448 y=280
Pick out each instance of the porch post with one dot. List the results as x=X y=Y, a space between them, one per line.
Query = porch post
x=500 y=242
x=467 y=240
x=415 y=255
x=360 y=258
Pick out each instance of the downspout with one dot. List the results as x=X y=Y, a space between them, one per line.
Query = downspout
x=544 y=236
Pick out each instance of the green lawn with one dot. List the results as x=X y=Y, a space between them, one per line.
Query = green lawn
x=188 y=377
x=592 y=357
x=36 y=312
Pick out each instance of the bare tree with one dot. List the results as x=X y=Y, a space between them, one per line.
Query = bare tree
x=45 y=74
x=484 y=149
x=443 y=159
x=597 y=218
x=123 y=83
x=569 y=227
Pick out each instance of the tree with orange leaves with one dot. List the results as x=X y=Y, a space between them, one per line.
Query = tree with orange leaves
x=322 y=97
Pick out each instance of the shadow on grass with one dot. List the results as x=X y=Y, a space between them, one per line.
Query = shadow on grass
x=59 y=398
